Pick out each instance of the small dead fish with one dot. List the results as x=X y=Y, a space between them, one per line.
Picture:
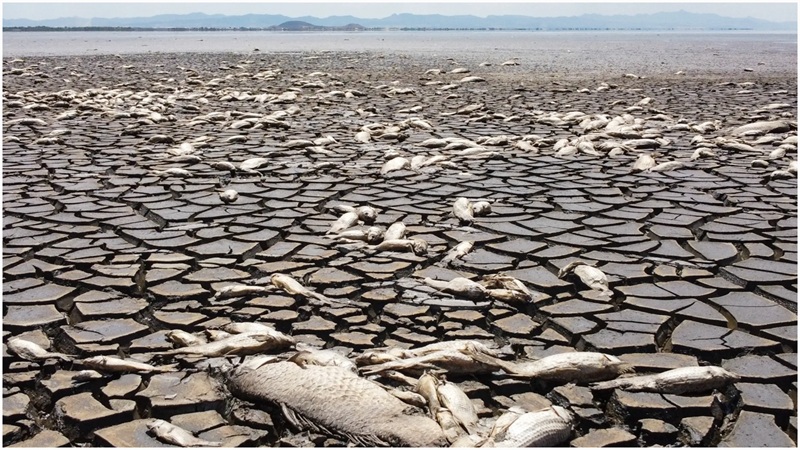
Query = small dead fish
x=412 y=398
x=759 y=163
x=683 y=380
x=458 y=251
x=643 y=163
x=462 y=209
x=480 y=209
x=32 y=351
x=248 y=327
x=344 y=222
x=546 y=428
x=777 y=153
x=228 y=196
x=703 y=153
x=395 y=231
x=590 y=276
x=427 y=387
x=666 y=166
x=238 y=290
x=293 y=287
x=461 y=407
x=416 y=246
x=173 y=172
x=252 y=164
x=238 y=344
x=450 y=361
x=502 y=281
x=171 y=434
x=458 y=286
x=183 y=338
x=112 y=364
x=86 y=375
x=309 y=356
x=223 y=165
x=394 y=164
x=363 y=137
x=372 y=235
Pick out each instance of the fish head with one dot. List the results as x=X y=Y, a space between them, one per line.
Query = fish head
x=371 y=357
x=97 y=361
x=419 y=246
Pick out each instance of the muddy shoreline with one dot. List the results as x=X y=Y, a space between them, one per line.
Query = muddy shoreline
x=105 y=252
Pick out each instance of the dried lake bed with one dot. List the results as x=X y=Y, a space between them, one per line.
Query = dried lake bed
x=115 y=234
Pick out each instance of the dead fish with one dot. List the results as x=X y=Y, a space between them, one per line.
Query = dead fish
x=113 y=364
x=252 y=164
x=335 y=401
x=393 y=354
x=86 y=375
x=427 y=388
x=32 y=351
x=433 y=143
x=238 y=290
x=792 y=168
x=570 y=367
x=643 y=163
x=458 y=251
x=228 y=196
x=367 y=214
x=590 y=276
x=344 y=222
x=395 y=231
x=416 y=246
x=459 y=405
x=782 y=175
x=471 y=79
x=183 y=338
x=666 y=166
x=777 y=153
x=371 y=235
x=293 y=287
x=459 y=286
x=759 y=128
x=683 y=380
x=363 y=137
x=412 y=398
x=397 y=163
x=462 y=209
x=324 y=141
x=480 y=209
x=248 y=327
x=450 y=361
x=450 y=427
x=546 y=428
x=310 y=356
x=173 y=172
x=223 y=165
x=502 y=281
x=238 y=344
x=171 y=434
x=759 y=163
x=216 y=335
x=703 y=153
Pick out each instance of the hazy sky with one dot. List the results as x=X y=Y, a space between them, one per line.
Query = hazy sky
x=785 y=11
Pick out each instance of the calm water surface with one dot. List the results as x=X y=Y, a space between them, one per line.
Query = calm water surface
x=592 y=50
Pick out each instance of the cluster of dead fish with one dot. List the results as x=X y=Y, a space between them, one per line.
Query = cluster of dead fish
x=415 y=405
x=392 y=238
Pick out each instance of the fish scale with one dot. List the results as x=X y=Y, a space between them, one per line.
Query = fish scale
x=338 y=400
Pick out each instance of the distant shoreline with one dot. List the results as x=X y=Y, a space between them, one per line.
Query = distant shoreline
x=360 y=30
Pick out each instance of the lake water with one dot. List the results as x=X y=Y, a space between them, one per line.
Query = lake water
x=583 y=50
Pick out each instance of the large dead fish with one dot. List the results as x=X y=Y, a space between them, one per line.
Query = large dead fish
x=571 y=367
x=335 y=401
x=31 y=351
x=683 y=380
x=238 y=344
x=172 y=434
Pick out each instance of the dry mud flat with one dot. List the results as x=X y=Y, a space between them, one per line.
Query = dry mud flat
x=106 y=251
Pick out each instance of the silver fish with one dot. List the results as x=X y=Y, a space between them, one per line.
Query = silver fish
x=31 y=351
x=372 y=235
x=589 y=275
x=335 y=401
x=113 y=364
x=183 y=338
x=238 y=344
x=458 y=251
x=172 y=434
x=458 y=286
x=293 y=287
x=572 y=367
x=546 y=428
x=394 y=164
x=416 y=246
x=683 y=380
x=463 y=210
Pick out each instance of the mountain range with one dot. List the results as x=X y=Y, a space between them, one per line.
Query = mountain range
x=681 y=20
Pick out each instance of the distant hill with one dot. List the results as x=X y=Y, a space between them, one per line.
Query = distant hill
x=299 y=25
x=680 y=20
